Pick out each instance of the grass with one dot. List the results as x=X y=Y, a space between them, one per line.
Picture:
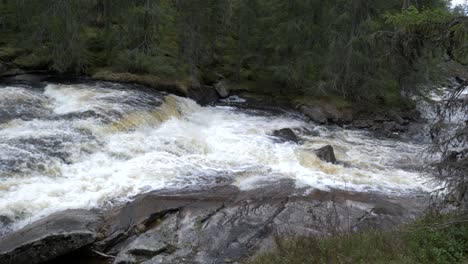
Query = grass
x=442 y=239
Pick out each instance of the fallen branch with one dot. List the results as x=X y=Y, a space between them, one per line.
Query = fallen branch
x=103 y=254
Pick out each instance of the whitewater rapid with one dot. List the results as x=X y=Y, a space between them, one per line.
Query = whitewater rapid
x=95 y=145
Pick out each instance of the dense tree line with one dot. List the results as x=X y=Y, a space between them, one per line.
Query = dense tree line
x=364 y=50
x=376 y=51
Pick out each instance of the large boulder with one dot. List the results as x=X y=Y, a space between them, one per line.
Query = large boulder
x=326 y=154
x=285 y=135
x=51 y=237
x=222 y=89
x=226 y=225
x=394 y=116
x=324 y=112
x=315 y=113
x=203 y=94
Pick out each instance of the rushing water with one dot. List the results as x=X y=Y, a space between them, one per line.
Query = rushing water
x=83 y=146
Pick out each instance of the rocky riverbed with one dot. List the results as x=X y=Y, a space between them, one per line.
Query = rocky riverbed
x=218 y=225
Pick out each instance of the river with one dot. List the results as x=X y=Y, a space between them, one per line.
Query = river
x=98 y=144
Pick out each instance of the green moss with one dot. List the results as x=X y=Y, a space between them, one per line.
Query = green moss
x=428 y=240
x=31 y=61
x=9 y=53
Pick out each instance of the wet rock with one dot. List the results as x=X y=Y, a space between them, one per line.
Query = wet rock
x=337 y=116
x=33 y=79
x=144 y=247
x=225 y=223
x=383 y=134
x=5 y=223
x=12 y=72
x=363 y=123
x=216 y=225
x=51 y=237
x=285 y=135
x=315 y=113
x=396 y=118
x=203 y=95
x=222 y=89
x=326 y=154
x=314 y=132
x=412 y=115
x=146 y=211
x=390 y=126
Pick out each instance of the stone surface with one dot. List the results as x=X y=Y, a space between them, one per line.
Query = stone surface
x=5 y=222
x=326 y=153
x=53 y=236
x=227 y=224
x=362 y=123
x=285 y=135
x=315 y=113
x=203 y=94
x=394 y=116
x=222 y=89
x=216 y=225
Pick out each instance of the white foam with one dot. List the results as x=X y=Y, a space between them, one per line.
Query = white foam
x=79 y=98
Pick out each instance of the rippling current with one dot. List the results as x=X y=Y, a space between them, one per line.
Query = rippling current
x=93 y=145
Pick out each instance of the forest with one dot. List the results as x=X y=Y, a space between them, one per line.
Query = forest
x=375 y=51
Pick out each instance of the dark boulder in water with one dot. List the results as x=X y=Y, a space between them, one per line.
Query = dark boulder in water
x=316 y=114
x=285 y=135
x=326 y=154
x=203 y=95
x=222 y=89
x=53 y=236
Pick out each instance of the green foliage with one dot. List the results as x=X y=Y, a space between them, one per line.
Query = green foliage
x=372 y=51
x=412 y=17
x=32 y=61
x=429 y=240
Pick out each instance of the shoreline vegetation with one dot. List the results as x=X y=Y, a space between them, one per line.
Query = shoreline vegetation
x=430 y=239
x=337 y=52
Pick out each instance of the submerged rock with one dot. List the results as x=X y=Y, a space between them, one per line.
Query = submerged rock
x=51 y=237
x=326 y=154
x=286 y=134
